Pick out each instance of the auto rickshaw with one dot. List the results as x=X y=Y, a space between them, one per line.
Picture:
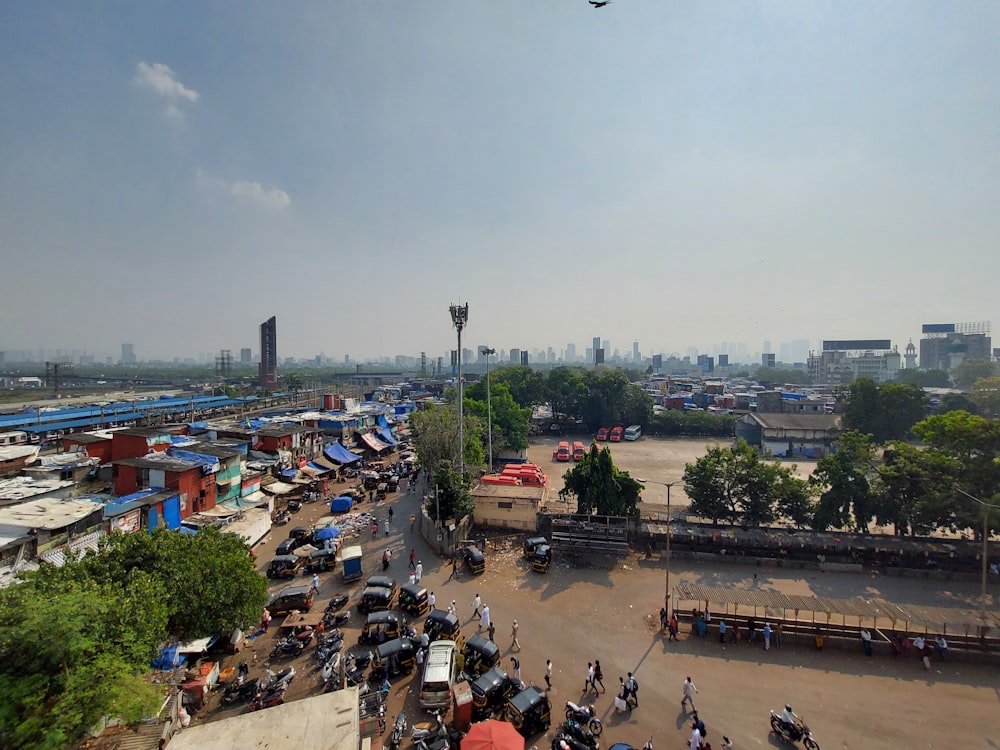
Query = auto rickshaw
x=393 y=483
x=481 y=655
x=380 y=627
x=474 y=559
x=381 y=582
x=376 y=599
x=413 y=599
x=532 y=543
x=284 y=566
x=542 y=558
x=381 y=490
x=443 y=625
x=397 y=656
x=490 y=692
x=529 y=711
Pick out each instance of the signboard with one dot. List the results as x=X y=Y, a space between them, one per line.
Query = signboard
x=852 y=345
x=938 y=328
x=127 y=523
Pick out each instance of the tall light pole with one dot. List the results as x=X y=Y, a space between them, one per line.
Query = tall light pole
x=459 y=317
x=668 y=485
x=487 y=351
x=986 y=547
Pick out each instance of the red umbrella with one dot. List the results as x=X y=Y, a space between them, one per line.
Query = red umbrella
x=493 y=735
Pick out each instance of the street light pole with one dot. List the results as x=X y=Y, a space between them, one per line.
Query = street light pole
x=489 y=407
x=668 y=485
x=986 y=547
x=459 y=317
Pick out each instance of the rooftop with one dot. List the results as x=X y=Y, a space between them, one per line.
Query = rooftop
x=48 y=513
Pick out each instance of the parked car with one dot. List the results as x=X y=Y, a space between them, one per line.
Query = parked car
x=291 y=598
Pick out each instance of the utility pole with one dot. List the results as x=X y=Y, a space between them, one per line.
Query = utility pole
x=459 y=317
x=489 y=406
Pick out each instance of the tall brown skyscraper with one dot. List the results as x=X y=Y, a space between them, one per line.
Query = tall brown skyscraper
x=269 y=354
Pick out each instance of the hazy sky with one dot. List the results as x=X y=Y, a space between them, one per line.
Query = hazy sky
x=681 y=173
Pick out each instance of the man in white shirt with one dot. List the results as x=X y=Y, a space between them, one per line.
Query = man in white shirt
x=431 y=599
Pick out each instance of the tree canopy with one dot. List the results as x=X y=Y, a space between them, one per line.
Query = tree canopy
x=436 y=437
x=449 y=497
x=601 y=487
x=843 y=481
x=736 y=486
x=510 y=421
x=968 y=371
x=886 y=412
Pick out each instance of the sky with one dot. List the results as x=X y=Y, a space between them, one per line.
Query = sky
x=174 y=173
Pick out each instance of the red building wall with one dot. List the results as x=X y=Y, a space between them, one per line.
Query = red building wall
x=132 y=446
x=101 y=450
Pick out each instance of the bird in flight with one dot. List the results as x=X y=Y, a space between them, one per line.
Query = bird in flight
x=599 y=3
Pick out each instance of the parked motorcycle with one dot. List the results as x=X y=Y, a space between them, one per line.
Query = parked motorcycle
x=335 y=620
x=397 y=732
x=794 y=733
x=585 y=715
x=282 y=518
x=330 y=667
x=337 y=602
x=580 y=733
x=280 y=679
x=566 y=742
x=288 y=646
x=268 y=699
x=239 y=692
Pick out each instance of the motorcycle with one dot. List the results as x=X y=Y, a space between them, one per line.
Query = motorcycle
x=426 y=731
x=282 y=518
x=794 y=732
x=336 y=603
x=566 y=742
x=268 y=699
x=585 y=715
x=330 y=667
x=291 y=645
x=397 y=732
x=281 y=679
x=580 y=733
x=239 y=692
x=335 y=620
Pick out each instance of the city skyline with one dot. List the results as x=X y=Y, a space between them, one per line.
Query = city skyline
x=677 y=175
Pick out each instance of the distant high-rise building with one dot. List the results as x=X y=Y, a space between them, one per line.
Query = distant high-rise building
x=570 y=355
x=269 y=354
x=515 y=356
x=767 y=347
x=767 y=358
x=128 y=354
x=945 y=345
x=635 y=352
x=246 y=355
x=596 y=346
x=550 y=355
x=606 y=346
x=723 y=361
x=524 y=358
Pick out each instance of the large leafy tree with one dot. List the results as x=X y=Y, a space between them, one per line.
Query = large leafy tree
x=843 y=481
x=985 y=397
x=914 y=489
x=436 y=437
x=566 y=390
x=735 y=485
x=924 y=378
x=510 y=421
x=527 y=387
x=886 y=412
x=601 y=487
x=956 y=402
x=449 y=497
x=967 y=372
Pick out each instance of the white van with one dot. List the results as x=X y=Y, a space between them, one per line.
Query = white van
x=440 y=672
x=633 y=432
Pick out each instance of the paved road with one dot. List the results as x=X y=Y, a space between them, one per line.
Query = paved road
x=573 y=615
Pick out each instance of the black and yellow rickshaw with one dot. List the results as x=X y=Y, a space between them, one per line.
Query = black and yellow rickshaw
x=442 y=625
x=532 y=543
x=529 y=711
x=474 y=559
x=413 y=599
x=284 y=566
x=394 y=657
x=381 y=490
x=380 y=627
x=376 y=599
x=481 y=655
x=382 y=582
x=541 y=559
x=489 y=693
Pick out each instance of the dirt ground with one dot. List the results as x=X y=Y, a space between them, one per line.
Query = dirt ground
x=655 y=459
x=607 y=611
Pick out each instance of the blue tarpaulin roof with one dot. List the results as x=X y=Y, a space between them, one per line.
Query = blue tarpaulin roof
x=328 y=532
x=317 y=468
x=290 y=473
x=387 y=436
x=340 y=454
x=382 y=422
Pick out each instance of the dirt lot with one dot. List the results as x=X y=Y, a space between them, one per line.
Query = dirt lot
x=579 y=612
x=655 y=459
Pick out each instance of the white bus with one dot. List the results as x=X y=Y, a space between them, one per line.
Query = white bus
x=633 y=432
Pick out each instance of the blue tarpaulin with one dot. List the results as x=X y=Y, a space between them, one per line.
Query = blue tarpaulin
x=290 y=473
x=340 y=454
x=387 y=436
x=328 y=532
x=341 y=504
x=317 y=468
x=382 y=421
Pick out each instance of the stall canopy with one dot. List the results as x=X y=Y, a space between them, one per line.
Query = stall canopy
x=328 y=532
x=341 y=504
x=492 y=735
x=373 y=442
x=340 y=454
x=387 y=436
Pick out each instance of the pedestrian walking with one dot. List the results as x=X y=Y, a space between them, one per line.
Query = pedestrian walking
x=751 y=631
x=722 y=631
x=727 y=744
x=484 y=620
x=315 y=582
x=452 y=608
x=387 y=526
x=515 y=664
x=689 y=693
x=588 y=681
x=390 y=515
x=413 y=578
x=621 y=699
x=673 y=628
x=663 y=618
x=476 y=604
x=419 y=570
x=632 y=691
x=265 y=619
x=491 y=630
x=767 y=636
x=866 y=642
x=454 y=567
x=514 y=643
x=374 y=529
x=413 y=557
x=431 y=600
x=599 y=676
x=413 y=521
x=777 y=635
x=548 y=674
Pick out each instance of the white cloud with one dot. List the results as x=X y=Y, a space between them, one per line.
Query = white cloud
x=160 y=79
x=254 y=191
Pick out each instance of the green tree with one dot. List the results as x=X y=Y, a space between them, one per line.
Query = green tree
x=968 y=371
x=436 y=436
x=601 y=487
x=914 y=489
x=985 y=396
x=292 y=382
x=956 y=402
x=510 y=421
x=887 y=411
x=566 y=391
x=843 y=482
x=675 y=422
x=527 y=387
x=450 y=493
x=735 y=485
x=862 y=407
x=924 y=378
